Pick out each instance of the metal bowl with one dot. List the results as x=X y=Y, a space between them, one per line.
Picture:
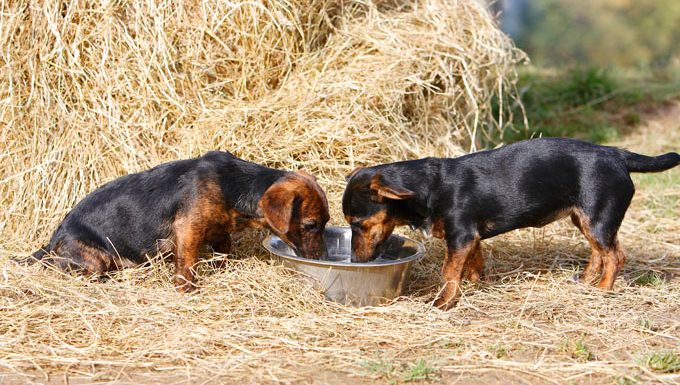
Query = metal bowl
x=351 y=283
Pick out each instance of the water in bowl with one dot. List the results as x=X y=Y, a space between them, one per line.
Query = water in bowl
x=346 y=258
x=339 y=244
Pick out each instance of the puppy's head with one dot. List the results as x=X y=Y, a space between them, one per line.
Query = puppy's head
x=372 y=203
x=295 y=209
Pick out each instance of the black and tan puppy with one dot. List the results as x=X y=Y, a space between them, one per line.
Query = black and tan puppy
x=480 y=195
x=180 y=206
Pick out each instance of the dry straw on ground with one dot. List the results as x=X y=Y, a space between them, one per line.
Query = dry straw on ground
x=92 y=90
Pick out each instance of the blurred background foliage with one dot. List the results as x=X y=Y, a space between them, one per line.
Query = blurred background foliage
x=624 y=33
x=596 y=66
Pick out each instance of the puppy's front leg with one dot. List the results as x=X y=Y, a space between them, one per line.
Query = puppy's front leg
x=457 y=253
x=189 y=240
x=221 y=246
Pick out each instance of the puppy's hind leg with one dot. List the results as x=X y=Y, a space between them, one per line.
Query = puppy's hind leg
x=600 y=220
x=74 y=255
x=593 y=269
x=613 y=264
x=473 y=270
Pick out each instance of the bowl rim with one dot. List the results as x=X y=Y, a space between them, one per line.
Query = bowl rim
x=420 y=252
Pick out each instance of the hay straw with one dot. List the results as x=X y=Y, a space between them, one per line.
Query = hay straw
x=93 y=90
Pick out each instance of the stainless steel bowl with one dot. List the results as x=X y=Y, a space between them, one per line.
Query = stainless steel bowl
x=356 y=284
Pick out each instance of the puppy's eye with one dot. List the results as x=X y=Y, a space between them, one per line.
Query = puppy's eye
x=310 y=226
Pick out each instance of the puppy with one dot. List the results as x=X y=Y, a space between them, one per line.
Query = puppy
x=480 y=195
x=180 y=206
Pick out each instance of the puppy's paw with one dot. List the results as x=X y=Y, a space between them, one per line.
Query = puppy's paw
x=182 y=285
x=444 y=304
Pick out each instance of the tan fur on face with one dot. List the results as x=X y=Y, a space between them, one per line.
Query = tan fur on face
x=374 y=230
x=277 y=202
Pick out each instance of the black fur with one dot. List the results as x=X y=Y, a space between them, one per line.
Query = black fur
x=130 y=214
x=525 y=184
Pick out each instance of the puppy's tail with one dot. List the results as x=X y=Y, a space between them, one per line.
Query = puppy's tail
x=642 y=163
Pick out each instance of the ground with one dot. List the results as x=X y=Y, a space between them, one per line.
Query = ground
x=254 y=322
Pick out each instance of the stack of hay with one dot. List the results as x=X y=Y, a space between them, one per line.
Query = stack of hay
x=93 y=90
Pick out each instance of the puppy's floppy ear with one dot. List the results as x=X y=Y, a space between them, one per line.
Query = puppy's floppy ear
x=277 y=205
x=354 y=172
x=304 y=172
x=389 y=190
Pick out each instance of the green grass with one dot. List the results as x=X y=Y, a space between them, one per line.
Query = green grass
x=419 y=370
x=380 y=368
x=499 y=351
x=625 y=381
x=594 y=104
x=457 y=345
x=657 y=186
x=577 y=350
x=663 y=362
x=581 y=352
x=649 y=278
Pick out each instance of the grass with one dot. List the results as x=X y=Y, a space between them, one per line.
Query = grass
x=90 y=91
x=416 y=371
x=576 y=349
x=498 y=350
x=657 y=185
x=649 y=278
x=592 y=103
x=662 y=362
x=625 y=381
x=581 y=352
x=381 y=369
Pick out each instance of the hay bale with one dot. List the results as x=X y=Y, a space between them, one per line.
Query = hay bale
x=93 y=90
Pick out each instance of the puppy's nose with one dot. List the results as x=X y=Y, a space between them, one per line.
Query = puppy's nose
x=353 y=257
x=359 y=259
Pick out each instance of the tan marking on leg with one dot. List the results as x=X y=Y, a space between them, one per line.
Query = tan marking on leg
x=452 y=273
x=93 y=260
x=88 y=260
x=613 y=262
x=438 y=228
x=190 y=237
x=473 y=270
x=621 y=257
x=202 y=219
x=593 y=270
